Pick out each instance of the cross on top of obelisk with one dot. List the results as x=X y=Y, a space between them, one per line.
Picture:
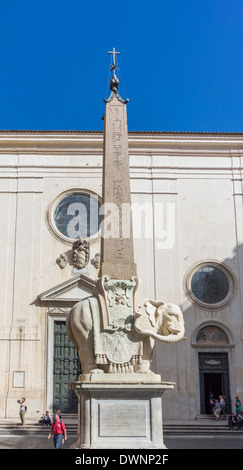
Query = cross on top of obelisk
x=114 y=53
x=114 y=80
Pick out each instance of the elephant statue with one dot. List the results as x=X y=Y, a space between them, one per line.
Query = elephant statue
x=128 y=347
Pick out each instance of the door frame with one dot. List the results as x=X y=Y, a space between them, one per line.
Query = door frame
x=53 y=314
x=220 y=369
x=58 y=302
x=228 y=348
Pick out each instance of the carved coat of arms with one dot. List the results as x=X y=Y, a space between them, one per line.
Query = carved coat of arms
x=80 y=253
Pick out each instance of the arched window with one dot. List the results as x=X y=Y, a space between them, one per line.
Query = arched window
x=211 y=334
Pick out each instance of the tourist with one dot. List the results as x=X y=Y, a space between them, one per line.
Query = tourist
x=233 y=421
x=58 y=412
x=22 y=410
x=222 y=405
x=237 y=406
x=58 y=429
x=217 y=410
x=240 y=420
x=226 y=402
x=46 y=419
x=211 y=402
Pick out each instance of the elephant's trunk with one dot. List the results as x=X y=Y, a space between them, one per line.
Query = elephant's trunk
x=171 y=338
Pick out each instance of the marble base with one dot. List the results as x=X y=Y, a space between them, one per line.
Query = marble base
x=120 y=415
x=150 y=377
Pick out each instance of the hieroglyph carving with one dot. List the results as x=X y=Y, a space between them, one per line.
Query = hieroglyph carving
x=116 y=125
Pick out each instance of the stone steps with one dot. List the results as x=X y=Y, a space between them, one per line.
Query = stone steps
x=204 y=425
x=10 y=426
x=197 y=430
x=194 y=427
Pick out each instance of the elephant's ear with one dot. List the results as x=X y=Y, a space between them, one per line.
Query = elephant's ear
x=152 y=308
x=146 y=322
x=143 y=324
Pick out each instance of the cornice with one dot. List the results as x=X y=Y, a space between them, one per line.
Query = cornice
x=82 y=132
x=91 y=142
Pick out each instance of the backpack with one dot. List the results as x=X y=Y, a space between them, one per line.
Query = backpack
x=62 y=425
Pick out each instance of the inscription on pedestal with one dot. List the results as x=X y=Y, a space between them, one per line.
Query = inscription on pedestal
x=122 y=419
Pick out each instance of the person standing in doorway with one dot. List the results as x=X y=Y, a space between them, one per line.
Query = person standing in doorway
x=22 y=410
x=226 y=401
x=57 y=429
x=222 y=406
x=217 y=410
x=211 y=403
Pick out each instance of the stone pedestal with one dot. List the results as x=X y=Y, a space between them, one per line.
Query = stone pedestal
x=115 y=415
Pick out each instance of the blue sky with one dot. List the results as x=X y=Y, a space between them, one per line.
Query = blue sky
x=180 y=63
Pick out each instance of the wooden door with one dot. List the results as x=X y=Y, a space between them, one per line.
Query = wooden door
x=66 y=370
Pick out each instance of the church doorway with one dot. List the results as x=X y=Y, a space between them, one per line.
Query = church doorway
x=212 y=385
x=214 y=379
x=66 y=368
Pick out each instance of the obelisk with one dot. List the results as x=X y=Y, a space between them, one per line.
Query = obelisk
x=120 y=398
x=117 y=257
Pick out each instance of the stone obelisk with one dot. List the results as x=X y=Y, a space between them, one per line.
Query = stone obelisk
x=117 y=257
x=120 y=398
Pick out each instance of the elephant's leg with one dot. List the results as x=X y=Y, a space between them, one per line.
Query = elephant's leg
x=89 y=367
x=87 y=357
x=88 y=364
x=144 y=367
x=80 y=327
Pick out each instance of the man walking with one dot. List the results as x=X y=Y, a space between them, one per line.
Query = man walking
x=58 y=429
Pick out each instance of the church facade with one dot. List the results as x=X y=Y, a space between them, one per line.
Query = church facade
x=186 y=192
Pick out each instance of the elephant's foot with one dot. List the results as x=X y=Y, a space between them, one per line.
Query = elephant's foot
x=143 y=368
x=96 y=371
x=90 y=371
